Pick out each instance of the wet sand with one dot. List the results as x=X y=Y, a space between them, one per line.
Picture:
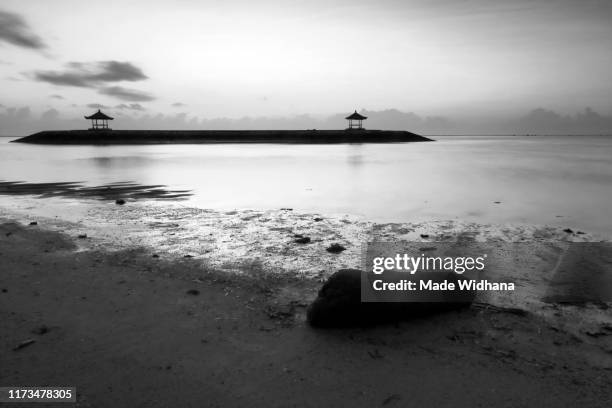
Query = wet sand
x=131 y=327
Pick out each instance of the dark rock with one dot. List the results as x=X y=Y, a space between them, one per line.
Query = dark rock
x=155 y=256
x=82 y=236
x=496 y=202
x=4 y=290
x=303 y=240
x=120 y=201
x=286 y=209
x=41 y=330
x=568 y=230
x=424 y=235
x=595 y=333
x=193 y=292
x=338 y=304
x=427 y=249
x=391 y=398
x=335 y=248
x=34 y=223
x=317 y=219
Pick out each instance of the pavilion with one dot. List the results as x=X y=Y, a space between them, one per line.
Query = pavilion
x=355 y=121
x=99 y=116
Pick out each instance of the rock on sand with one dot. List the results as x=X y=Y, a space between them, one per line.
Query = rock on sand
x=339 y=304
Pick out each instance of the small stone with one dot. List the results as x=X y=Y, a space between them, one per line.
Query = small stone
x=317 y=219
x=335 y=248
x=82 y=236
x=120 y=201
x=424 y=235
x=34 y=223
x=303 y=240
x=391 y=399
x=41 y=330
x=568 y=230
x=193 y=292
x=427 y=249
x=24 y=344
x=155 y=256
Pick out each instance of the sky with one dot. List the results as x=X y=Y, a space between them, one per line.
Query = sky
x=461 y=60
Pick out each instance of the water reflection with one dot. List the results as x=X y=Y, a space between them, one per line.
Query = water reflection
x=355 y=157
x=111 y=191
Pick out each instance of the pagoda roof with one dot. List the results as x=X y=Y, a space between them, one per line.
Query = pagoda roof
x=99 y=115
x=356 y=116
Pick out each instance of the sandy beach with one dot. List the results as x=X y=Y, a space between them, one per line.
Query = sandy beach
x=171 y=321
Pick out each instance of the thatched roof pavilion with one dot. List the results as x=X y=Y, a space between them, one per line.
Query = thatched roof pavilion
x=355 y=120
x=99 y=116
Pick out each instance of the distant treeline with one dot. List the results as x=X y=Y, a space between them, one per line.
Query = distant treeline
x=21 y=121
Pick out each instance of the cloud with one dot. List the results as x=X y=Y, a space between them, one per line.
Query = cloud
x=91 y=74
x=99 y=75
x=131 y=106
x=126 y=94
x=543 y=121
x=178 y=104
x=14 y=30
x=97 y=106
x=50 y=115
x=56 y=96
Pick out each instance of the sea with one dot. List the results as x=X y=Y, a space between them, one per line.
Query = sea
x=544 y=180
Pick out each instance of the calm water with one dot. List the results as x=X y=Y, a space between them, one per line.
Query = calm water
x=538 y=179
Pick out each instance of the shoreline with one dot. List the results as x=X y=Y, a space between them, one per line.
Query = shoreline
x=168 y=330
